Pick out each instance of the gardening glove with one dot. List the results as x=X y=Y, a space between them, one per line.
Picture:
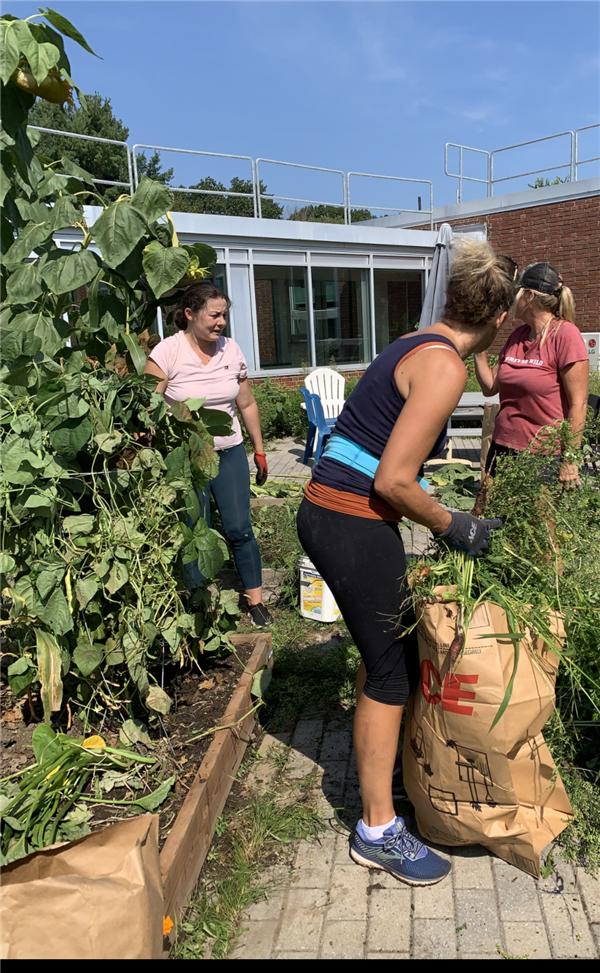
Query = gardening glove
x=260 y=461
x=469 y=534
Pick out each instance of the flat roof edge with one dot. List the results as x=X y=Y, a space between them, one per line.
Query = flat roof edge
x=526 y=199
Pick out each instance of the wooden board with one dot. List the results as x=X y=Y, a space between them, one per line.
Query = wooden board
x=188 y=843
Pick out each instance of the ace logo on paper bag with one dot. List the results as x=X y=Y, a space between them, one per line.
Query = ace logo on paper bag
x=451 y=688
x=472 y=780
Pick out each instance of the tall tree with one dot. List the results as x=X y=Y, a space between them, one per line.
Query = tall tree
x=102 y=161
x=327 y=214
x=226 y=205
x=153 y=169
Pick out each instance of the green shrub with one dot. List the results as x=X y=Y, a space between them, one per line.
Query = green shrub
x=351 y=384
x=281 y=412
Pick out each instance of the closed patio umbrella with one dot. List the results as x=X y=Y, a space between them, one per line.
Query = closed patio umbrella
x=435 y=295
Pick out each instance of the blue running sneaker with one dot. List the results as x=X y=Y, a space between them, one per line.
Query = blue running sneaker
x=401 y=854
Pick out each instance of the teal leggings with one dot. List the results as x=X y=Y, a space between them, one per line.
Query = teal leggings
x=231 y=490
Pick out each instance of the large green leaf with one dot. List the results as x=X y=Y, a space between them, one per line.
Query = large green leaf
x=45 y=743
x=66 y=211
x=85 y=590
x=10 y=48
x=117 y=231
x=34 y=211
x=4 y=185
x=32 y=236
x=20 y=675
x=55 y=613
x=40 y=505
x=207 y=549
x=134 y=731
x=152 y=199
x=79 y=524
x=41 y=58
x=49 y=667
x=63 y=273
x=24 y=284
x=74 y=170
x=48 y=330
x=48 y=579
x=52 y=333
x=137 y=355
x=66 y=27
x=44 y=34
x=119 y=575
x=164 y=266
x=7 y=563
x=71 y=436
x=158 y=700
x=87 y=657
x=152 y=801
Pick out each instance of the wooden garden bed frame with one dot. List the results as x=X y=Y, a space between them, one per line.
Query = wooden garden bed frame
x=187 y=845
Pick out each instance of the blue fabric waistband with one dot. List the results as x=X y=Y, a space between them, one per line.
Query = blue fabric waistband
x=346 y=451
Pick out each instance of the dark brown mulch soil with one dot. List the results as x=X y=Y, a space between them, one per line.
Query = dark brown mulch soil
x=199 y=702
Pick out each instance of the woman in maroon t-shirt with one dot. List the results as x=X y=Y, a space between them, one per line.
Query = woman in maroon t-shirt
x=542 y=371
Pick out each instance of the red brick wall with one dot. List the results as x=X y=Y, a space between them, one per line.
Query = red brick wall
x=565 y=233
x=264 y=315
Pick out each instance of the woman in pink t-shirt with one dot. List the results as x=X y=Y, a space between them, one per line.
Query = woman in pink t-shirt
x=200 y=363
x=542 y=371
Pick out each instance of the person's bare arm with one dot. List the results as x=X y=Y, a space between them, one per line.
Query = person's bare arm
x=486 y=375
x=153 y=369
x=574 y=378
x=248 y=410
x=434 y=381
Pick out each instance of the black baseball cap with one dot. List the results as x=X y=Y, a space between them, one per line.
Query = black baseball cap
x=543 y=278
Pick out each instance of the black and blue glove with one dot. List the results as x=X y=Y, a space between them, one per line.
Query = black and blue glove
x=468 y=533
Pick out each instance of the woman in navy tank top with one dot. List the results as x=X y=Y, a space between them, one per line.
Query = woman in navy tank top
x=365 y=482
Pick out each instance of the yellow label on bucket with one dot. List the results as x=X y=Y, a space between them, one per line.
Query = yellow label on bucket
x=312 y=592
x=312 y=595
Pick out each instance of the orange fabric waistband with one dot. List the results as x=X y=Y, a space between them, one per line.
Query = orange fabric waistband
x=350 y=503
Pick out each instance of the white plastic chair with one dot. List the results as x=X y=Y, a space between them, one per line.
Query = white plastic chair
x=329 y=386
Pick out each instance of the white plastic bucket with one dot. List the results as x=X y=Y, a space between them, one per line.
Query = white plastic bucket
x=316 y=600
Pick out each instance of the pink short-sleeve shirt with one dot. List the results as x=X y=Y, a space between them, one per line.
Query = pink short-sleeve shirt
x=532 y=394
x=217 y=383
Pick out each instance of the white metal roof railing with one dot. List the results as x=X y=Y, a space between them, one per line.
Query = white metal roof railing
x=94 y=138
x=370 y=175
x=294 y=199
x=204 y=192
x=571 y=165
x=346 y=205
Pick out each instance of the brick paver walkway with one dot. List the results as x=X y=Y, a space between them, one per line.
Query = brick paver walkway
x=331 y=908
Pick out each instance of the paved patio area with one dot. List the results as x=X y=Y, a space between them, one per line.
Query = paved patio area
x=330 y=908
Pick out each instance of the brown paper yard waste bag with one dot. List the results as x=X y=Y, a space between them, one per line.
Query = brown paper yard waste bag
x=471 y=785
x=99 y=897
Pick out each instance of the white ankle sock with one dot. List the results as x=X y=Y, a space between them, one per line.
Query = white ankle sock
x=374 y=834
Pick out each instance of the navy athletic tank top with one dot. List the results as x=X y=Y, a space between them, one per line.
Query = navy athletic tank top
x=371 y=412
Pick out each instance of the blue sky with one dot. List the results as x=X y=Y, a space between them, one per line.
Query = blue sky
x=366 y=86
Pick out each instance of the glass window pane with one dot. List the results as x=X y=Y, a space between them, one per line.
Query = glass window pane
x=282 y=317
x=398 y=303
x=341 y=315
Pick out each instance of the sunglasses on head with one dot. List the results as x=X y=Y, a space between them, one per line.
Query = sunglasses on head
x=509 y=265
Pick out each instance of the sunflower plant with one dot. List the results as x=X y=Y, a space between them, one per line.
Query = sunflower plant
x=100 y=481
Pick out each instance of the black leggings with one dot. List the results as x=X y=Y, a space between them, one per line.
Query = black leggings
x=364 y=564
